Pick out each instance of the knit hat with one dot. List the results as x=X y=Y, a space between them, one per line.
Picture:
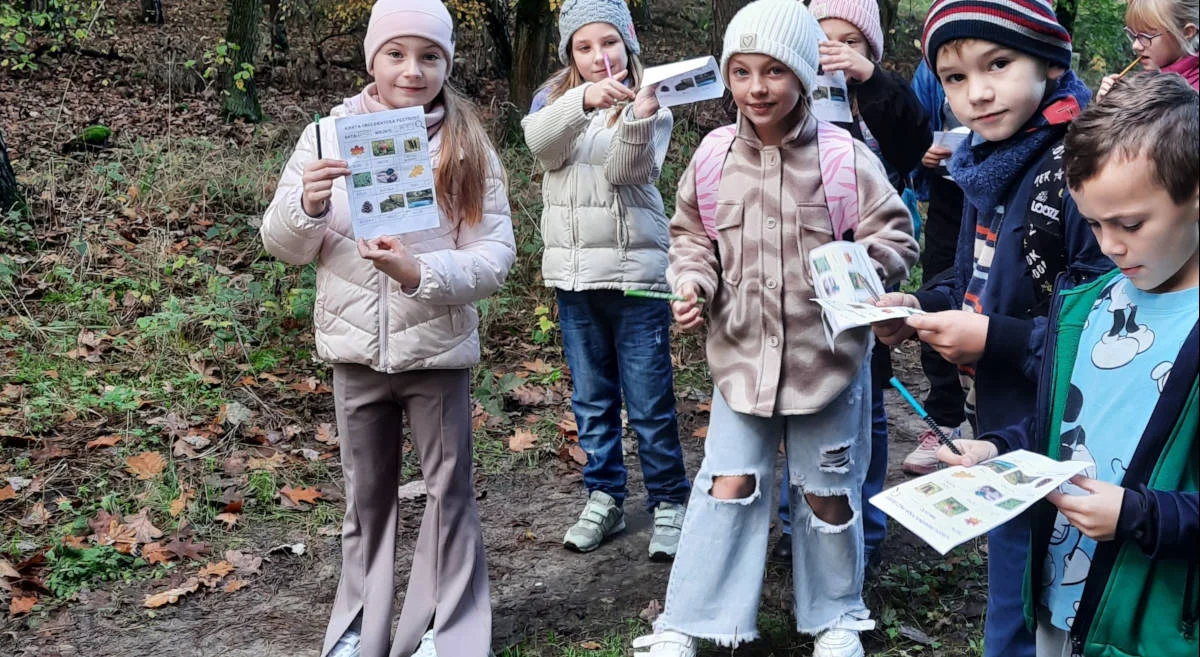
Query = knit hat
x=782 y=29
x=428 y=19
x=577 y=13
x=1028 y=26
x=863 y=14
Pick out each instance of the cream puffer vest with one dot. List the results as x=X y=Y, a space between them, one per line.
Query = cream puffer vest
x=362 y=316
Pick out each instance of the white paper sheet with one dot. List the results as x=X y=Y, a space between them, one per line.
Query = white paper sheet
x=831 y=100
x=844 y=279
x=390 y=188
x=689 y=81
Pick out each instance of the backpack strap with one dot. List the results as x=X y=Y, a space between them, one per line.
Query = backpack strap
x=1043 y=244
x=835 y=151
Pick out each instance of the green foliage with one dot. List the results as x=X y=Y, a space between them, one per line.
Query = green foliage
x=489 y=390
x=72 y=569
x=25 y=35
x=1101 y=44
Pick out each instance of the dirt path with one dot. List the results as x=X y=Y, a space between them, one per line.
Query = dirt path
x=537 y=586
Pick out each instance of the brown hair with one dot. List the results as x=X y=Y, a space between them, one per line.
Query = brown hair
x=1149 y=114
x=569 y=77
x=1170 y=16
x=467 y=158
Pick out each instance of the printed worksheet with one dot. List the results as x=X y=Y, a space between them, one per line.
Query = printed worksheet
x=390 y=187
x=831 y=100
x=951 y=139
x=845 y=279
x=689 y=81
x=954 y=505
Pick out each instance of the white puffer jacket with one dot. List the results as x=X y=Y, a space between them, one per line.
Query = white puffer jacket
x=603 y=224
x=362 y=316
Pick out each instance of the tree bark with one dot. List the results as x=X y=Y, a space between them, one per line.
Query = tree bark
x=531 y=50
x=10 y=193
x=640 y=10
x=279 y=40
x=1066 y=11
x=152 y=12
x=497 y=29
x=888 y=11
x=722 y=13
x=241 y=97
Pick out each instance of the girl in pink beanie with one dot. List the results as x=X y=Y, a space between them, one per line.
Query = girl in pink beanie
x=396 y=318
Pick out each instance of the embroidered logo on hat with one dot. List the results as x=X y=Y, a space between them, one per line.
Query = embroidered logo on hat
x=748 y=40
x=819 y=12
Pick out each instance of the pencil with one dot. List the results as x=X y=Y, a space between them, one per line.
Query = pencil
x=1129 y=68
x=651 y=294
x=912 y=401
x=317 y=130
x=607 y=65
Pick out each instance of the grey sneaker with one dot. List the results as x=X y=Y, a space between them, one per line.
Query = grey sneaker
x=600 y=519
x=668 y=525
x=425 y=648
x=347 y=646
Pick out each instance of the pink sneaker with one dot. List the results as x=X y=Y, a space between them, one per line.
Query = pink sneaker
x=923 y=460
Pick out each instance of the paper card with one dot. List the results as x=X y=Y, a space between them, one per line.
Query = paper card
x=689 y=81
x=831 y=99
x=951 y=139
x=390 y=187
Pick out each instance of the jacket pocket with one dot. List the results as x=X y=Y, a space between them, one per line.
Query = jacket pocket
x=813 y=229
x=728 y=222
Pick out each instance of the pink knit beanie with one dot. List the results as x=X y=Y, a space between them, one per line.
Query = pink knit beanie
x=863 y=14
x=428 y=19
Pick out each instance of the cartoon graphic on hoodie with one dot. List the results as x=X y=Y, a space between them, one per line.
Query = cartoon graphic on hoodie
x=1126 y=338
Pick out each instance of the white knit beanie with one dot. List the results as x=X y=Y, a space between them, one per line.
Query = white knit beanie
x=428 y=19
x=782 y=29
x=577 y=13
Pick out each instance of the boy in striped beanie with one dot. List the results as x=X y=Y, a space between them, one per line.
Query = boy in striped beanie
x=1005 y=68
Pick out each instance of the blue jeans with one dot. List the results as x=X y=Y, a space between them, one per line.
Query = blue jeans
x=1004 y=631
x=621 y=345
x=716 y=581
x=874 y=520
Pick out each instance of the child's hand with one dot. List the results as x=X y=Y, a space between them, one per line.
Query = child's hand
x=1095 y=515
x=607 y=92
x=392 y=258
x=1106 y=85
x=959 y=336
x=894 y=331
x=973 y=451
x=688 y=313
x=645 y=104
x=318 y=180
x=837 y=56
x=934 y=156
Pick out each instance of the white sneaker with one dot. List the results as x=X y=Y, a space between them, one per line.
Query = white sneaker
x=600 y=519
x=668 y=525
x=923 y=460
x=664 y=644
x=425 y=649
x=347 y=646
x=838 y=643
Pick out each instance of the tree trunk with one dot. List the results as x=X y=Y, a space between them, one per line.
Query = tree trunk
x=531 y=61
x=722 y=13
x=497 y=30
x=10 y=193
x=1066 y=11
x=241 y=98
x=279 y=40
x=888 y=11
x=152 y=12
x=640 y=10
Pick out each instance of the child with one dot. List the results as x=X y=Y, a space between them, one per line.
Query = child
x=605 y=232
x=1114 y=569
x=942 y=222
x=1164 y=34
x=396 y=317
x=775 y=376
x=1005 y=70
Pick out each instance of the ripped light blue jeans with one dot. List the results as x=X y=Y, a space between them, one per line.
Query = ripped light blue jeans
x=716 y=581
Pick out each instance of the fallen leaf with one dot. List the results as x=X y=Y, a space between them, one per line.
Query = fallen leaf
x=246 y=564
x=6 y=570
x=569 y=429
x=327 y=433
x=298 y=495
x=577 y=454
x=72 y=541
x=171 y=596
x=704 y=407
x=155 y=553
x=22 y=603
x=701 y=433
x=104 y=441
x=180 y=503
x=270 y=463
x=212 y=574
x=521 y=440
x=591 y=645
x=35 y=517
x=7 y=493
x=11 y=390
x=233 y=585
x=413 y=490
x=146 y=465
x=234 y=503
x=307 y=454
x=121 y=537
x=529 y=395
x=295 y=548
x=651 y=611
x=230 y=519
x=234 y=414
x=187 y=549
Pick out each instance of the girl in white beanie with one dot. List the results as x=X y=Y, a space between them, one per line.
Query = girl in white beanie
x=396 y=318
x=602 y=145
x=756 y=199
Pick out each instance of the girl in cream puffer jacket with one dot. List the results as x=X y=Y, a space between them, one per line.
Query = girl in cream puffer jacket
x=395 y=316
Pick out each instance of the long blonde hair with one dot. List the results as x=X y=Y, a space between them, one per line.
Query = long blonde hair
x=1171 y=16
x=461 y=181
x=569 y=77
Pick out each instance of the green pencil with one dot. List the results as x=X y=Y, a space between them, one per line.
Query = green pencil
x=651 y=294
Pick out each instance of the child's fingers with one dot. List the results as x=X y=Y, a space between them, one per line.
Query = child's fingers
x=620 y=76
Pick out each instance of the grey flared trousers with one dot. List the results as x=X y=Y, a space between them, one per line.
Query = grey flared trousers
x=448 y=581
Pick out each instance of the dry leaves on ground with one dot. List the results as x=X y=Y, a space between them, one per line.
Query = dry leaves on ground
x=146 y=465
x=299 y=495
x=521 y=440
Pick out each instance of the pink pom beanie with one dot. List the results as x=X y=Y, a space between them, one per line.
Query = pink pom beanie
x=863 y=14
x=428 y=19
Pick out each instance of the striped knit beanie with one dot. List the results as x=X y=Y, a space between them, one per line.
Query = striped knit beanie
x=862 y=14
x=1027 y=26
x=782 y=29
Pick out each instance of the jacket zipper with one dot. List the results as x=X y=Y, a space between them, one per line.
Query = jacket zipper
x=1191 y=604
x=383 y=322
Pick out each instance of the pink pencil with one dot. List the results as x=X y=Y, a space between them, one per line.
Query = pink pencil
x=607 y=65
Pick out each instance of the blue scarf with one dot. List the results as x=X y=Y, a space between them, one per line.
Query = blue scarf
x=985 y=171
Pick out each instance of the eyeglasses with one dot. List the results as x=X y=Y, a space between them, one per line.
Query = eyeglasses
x=1141 y=37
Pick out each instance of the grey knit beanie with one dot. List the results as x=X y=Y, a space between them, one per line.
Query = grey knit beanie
x=782 y=29
x=577 y=13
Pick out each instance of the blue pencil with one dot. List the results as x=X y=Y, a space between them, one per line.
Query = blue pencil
x=912 y=401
